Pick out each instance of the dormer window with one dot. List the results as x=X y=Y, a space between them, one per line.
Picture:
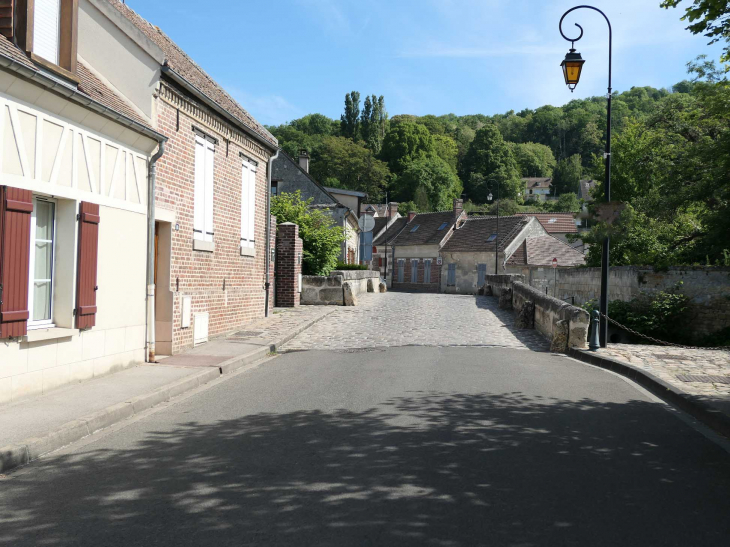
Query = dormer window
x=48 y=32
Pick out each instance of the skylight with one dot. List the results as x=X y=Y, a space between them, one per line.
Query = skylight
x=491 y=238
x=415 y=228
x=552 y=221
x=444 y=225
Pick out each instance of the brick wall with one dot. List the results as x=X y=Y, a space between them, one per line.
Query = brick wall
x=288 y=265
x=202 y=274
x=407 y=285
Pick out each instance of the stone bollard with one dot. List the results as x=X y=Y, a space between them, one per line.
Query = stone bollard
x=382 y=287
x=505 y=300
x=348 y=295
x=526 y=318
x=488 y=290
x=371 y=287
x=560 y=336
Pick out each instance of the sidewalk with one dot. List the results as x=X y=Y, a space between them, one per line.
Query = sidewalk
x=33 y=427
x=696 y=380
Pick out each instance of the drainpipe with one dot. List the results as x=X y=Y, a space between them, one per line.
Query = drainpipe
x=151 y=252
x=267 y=258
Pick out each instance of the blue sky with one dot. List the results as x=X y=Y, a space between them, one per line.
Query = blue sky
x=283 y=59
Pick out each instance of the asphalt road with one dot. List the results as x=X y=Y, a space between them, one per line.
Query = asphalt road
x=406 y=446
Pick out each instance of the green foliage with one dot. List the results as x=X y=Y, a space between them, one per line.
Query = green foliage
x=660 y=315
x=350 y=120
x=708 y=17
x=446 y=149
x=374 y=123
x=406 y=142
x=533 y=160
x=490 y=166
x=567 y=174
x=339 y=162
x=343 y=266
x=321 y=239
x=565 y=203
x=430 y=183
x=507 y=207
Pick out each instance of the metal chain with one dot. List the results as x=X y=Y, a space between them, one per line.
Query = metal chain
x=657 y=341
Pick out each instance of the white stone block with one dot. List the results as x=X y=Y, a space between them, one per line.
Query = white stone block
x=135 y=337
x=115 y=341
x=56 y=377
x=70 y=350
x=41 y=355
x=93 y=344
x=5 y=390
x=81 y=370
x=27 y=385
x=13 y=359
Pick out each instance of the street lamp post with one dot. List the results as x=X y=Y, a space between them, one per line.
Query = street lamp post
x=496 y=241
x=572 y=66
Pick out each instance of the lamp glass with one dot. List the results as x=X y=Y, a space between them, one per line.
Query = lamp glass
x=489 y=197
x=572 y=66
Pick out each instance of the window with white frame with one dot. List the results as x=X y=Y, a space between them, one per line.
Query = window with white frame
x=248 y=206
x=203 y=193
x=42 y=254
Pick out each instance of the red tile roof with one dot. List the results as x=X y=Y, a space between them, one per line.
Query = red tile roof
x=89 y=84
x=555 y=223
x=181 y=63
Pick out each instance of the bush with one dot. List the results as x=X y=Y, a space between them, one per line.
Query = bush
x=343 y=266
x=659 y=315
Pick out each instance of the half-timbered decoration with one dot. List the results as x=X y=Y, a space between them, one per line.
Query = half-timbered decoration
x=75 y=156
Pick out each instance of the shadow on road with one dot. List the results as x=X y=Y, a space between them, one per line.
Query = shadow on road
x=431 y=469
x=531 y=338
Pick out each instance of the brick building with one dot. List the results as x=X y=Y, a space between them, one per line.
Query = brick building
x=415 y=250
x=212 y=253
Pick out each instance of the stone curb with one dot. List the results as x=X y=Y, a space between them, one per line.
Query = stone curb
x=15 y=455
x=235 y=363
x=713 y=418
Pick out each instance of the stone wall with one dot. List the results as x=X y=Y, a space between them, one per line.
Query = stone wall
x=501 y=282
x=563 y=324
x=328 y=290
x=707 y=287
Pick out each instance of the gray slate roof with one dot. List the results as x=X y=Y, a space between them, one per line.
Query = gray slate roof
x=392 y=232
x=473 y=234
x=428 y=232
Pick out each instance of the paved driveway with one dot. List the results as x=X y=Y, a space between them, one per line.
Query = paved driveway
x=403 y=319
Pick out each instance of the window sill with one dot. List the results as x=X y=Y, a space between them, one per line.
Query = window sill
x=206 y=246
x=38 y=335
x=55 y=68
x=248 y=251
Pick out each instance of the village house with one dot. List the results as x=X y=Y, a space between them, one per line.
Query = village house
x=387 y=227
x=534 y=259
x=537 y=188
x=290 y=176
x=415 y=250
x=77 y=158
x=213 y=237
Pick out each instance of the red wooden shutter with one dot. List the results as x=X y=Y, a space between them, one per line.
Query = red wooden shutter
x=15 y=209
x=86 y=274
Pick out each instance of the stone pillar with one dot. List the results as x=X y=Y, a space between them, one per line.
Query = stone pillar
x=288 y=265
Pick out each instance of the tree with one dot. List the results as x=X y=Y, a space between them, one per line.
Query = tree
x=533 y=160
x=321 y=239
x=373 y=121
x=566 y=177
x=567 y=202
x=489 y=162
x=350 y=120
x=405 y=143
x=446 y=149
x=506 y=207
x=342 y=163
x=708 y=17
x=430 y=183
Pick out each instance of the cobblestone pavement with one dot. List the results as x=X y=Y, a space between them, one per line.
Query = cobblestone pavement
x=402 y=319
x=668 y=363
x=281 y=322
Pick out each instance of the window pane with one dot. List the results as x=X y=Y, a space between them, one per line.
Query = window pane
x=44 y=220
x=43 y=260
x=41 y=300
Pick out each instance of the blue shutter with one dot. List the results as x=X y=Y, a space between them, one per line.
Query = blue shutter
x=414 y=270
x=481 y=272
x=401 y=266
x=366 y=246
x=451 y=279
x=427 y=271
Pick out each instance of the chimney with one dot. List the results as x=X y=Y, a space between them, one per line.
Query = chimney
x=304 y=160
x=458 y=207
x=411 y=215
x=393 y=209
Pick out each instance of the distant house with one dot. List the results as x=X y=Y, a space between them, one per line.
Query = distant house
x=559 y=225
x=290 y=176
x=383 y=244
x=534 y=260
x=537 y=188
x=415 y=253
x=479 y=242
